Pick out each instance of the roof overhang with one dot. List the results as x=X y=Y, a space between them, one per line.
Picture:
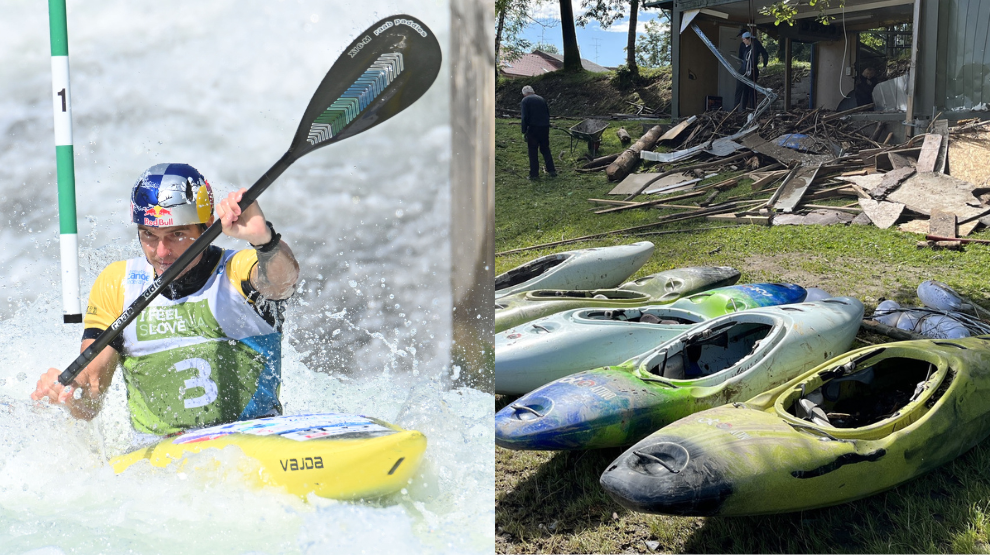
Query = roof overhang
x=859 y=15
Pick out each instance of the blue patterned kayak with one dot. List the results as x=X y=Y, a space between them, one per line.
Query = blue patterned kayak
x=729 y=358
x=541 y=351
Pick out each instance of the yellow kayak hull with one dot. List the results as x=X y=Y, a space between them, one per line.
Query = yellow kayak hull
x=331 y=455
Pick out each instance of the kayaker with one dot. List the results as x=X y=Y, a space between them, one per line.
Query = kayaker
x=207 y=349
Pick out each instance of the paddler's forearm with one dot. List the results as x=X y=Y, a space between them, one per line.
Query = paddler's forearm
x=94 y=380
x=276 y=273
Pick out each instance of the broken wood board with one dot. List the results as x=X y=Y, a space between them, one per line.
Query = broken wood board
x=893 y=159
x=968 y=155
x=915 y=226
x=925 y=192
x=941 y=128
x=655 y=189
x=636 y=182
x=891 y=181
x=965 y=229
x=676 y=130
x=815 y=217
x=794 y=188
x=782 y=154
x=867 y=182
x=883 y=214
x=740 y=218
x=929 y=153
x=767 y=179
x=942 y=224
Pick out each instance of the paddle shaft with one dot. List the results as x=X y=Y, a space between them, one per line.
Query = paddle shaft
x=167 y=277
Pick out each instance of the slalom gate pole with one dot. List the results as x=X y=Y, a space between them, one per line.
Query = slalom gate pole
x=62 y=105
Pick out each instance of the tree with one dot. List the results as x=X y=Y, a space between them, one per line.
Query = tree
x=653 y=47
x=572 y=54
x=546 y=47
x=784 y=10
x=607 y=12
x=511 y=17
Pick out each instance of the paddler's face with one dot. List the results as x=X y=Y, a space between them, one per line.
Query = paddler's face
x=163 y=245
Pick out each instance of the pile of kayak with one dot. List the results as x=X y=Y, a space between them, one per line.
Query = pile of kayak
x=741 y=399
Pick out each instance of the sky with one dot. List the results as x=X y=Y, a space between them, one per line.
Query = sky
x=604 y=47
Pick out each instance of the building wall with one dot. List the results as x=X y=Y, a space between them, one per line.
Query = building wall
x=698 y=71
x=831 y=69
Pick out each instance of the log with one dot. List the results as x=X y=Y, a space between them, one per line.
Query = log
x=894 y=333
x=628 y=160
x=599 y=162
x=623 y=135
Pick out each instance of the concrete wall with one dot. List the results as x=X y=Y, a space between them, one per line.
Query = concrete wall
x=831 y=72
x=698 y=71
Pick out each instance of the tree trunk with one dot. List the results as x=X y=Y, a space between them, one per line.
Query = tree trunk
x=631 y=43
x=628 y=160
x=572 y=55
x=498 y=37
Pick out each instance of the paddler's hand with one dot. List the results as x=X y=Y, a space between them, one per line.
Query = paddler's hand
x=49 y=386
x=248 y=225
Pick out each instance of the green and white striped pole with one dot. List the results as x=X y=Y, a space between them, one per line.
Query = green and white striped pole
x=62 y=104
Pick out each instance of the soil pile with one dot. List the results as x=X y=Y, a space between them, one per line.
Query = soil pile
x=587 y=94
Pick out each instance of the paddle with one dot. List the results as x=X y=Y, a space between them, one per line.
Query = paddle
x=381 y=73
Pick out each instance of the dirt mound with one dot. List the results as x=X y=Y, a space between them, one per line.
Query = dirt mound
x=589 y=94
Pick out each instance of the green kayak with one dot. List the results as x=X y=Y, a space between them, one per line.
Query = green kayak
x=854 y=426
x=665 y=287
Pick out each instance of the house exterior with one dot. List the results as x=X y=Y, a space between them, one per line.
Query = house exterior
x=539 y=62
x=950 y=54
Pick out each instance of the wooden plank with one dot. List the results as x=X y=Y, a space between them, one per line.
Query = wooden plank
x=965 y=229
x=795 y=188
x=890 y=181
x=942 y=224
x=635 y=182
x=883 y=214
x=915 y=226
x=676 y=130
x=924 y=192
x=929 y=153
x=768 y=179
x=941 y=128
x=740 y=218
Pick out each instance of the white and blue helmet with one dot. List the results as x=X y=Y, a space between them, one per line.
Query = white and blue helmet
x=171 y=195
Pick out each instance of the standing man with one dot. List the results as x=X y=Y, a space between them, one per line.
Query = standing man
x=750 y=51
x=536 y=128
x=208 y=349
x=864 y=86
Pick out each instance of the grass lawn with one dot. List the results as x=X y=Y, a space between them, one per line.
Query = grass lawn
x=552 y=503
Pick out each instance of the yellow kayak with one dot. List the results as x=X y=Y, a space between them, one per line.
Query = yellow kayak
x=340 y=456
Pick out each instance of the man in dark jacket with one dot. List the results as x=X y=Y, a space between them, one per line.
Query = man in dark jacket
x=750 y=51
x=536 y=128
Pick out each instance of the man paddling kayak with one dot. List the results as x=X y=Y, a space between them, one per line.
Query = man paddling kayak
x=208 y=349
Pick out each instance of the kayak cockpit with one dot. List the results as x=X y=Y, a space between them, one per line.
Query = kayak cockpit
x=868 y=399
x=664 y=316
x=530 y=270
x=711 y=351
x=597 y=294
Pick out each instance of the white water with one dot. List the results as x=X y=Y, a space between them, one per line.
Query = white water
x=222 y=85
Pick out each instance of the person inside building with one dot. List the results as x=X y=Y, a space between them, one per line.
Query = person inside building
x=750 y=51
x=864 y=86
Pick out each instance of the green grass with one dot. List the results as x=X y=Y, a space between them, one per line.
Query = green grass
x=552 y=503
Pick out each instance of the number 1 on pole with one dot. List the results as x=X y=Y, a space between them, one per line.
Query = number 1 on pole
x=65 y=164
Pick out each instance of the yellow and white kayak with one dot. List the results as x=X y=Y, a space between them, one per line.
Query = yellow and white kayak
x=340 y=456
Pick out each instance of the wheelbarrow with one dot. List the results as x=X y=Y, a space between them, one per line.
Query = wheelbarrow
x=589 y=130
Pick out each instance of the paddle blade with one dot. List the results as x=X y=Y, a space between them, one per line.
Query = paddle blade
x=385 y=69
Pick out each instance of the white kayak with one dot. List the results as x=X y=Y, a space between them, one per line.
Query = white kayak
x=594 y=268
x=538 y=352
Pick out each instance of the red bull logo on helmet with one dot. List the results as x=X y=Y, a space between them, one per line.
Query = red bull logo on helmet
x=158 y=216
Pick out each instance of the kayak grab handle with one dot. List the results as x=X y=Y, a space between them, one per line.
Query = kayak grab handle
x=517 y=406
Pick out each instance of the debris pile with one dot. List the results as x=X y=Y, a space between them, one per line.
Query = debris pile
x=804 y=163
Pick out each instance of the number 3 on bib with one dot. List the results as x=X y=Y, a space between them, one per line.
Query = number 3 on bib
x=202 y=380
